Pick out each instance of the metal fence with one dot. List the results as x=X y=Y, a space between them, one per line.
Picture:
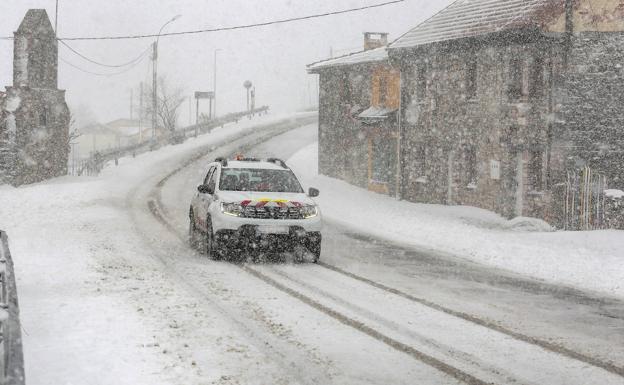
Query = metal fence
x=95 y=163
x=585 y=200
x=12 y=368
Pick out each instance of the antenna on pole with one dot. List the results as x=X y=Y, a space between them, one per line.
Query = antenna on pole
x=56 y=20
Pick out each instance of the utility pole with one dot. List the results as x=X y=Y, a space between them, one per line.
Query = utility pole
x=190 y=99
x=155 y=77
x=154 y=89
x=56 y=20
x=141 y=113
x=214 y=81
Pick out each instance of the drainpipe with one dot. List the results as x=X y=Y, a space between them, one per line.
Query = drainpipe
x=399 y=160
x=569 y=28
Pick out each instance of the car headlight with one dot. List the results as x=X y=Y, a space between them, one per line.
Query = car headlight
x=233 y=209
x=309 y=211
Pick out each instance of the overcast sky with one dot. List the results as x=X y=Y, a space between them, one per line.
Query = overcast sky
x=273 y=57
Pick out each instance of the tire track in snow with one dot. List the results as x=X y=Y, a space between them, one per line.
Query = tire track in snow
x=159 y=211
x=302 y=372
x=555 y=348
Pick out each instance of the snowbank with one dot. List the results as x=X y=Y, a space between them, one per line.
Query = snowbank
x=588 y=260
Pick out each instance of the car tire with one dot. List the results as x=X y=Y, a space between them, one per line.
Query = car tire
x=211 y=249
x=192 y=236
x=315 y=249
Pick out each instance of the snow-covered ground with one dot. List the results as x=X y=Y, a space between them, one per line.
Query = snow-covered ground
x=110 y=296
x=591 y=261
x=83 y=277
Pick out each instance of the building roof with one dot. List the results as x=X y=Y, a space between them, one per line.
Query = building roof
x=35 y=20
x=362 y=57
x=470 y=18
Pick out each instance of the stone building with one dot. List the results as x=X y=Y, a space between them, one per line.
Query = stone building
x=34 y=118
x=499 y=100
x=358 y=112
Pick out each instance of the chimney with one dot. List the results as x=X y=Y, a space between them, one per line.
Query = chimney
x=374 y=40
x=569 y=16
x=569 y=30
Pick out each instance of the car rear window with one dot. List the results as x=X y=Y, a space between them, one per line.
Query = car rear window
x=259 y=180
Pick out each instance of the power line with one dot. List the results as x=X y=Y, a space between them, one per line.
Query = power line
x=245 y=26
x=106 y=65
x=99 y=73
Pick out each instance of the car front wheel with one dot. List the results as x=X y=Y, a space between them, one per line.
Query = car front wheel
x=314 y=247
x=192 y=236
x=210 y=245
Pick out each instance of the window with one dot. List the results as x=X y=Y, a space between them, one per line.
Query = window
x=43 y=118
x=383 y=89
x=259 y=180
x=515 y=78
x=209 y=174
x=537 y=78
x=471 y=77
x=470 y=157
x=421 y=81
x=535 y=170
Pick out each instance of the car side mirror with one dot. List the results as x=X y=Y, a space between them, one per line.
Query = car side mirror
x=205 y=189
x=313 y=193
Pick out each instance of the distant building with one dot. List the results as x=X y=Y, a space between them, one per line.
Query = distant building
x=110 y=136
x=34 y=118
x=499 y=100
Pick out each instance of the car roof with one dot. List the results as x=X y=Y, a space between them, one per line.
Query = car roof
x=255 y=165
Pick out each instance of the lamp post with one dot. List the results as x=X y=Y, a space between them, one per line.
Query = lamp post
x=247 y=85
x=214 y=81
x=155 y=77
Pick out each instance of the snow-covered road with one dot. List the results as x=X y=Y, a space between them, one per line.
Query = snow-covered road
x=111 y=294
x=461 y=349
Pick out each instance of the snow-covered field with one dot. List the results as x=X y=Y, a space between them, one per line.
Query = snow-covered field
x=588 y=260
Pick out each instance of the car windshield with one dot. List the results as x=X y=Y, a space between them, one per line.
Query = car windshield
x=261 y=180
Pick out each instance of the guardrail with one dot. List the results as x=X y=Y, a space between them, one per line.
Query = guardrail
x=12 y=367
x=94 y=164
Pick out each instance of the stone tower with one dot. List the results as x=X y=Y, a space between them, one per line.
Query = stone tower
x=35 y=60
x=34 y=118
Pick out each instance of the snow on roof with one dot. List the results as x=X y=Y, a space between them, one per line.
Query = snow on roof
x=362 y=57
x=470 y=18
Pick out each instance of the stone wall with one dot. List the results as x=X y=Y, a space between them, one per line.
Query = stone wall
x=470 y=137
x=343 y=151
x=591 y=105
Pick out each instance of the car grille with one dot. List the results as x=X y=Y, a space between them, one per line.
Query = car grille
x=271 y=212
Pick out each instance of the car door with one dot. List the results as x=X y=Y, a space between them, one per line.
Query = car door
x=204 y=200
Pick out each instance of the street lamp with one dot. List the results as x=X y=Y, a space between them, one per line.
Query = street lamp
x=214 y=81
x=155 y=76
x=247 y=85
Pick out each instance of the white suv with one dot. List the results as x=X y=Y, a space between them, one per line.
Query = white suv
x=247 y=206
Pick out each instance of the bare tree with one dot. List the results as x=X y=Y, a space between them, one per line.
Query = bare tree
x=169 y=101
x=74 y=132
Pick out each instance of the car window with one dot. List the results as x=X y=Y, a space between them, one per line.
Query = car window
x=212 y=181
x=260 y=180
x=209 y=174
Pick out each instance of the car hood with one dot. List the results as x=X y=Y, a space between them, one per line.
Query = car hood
x=241 y=196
